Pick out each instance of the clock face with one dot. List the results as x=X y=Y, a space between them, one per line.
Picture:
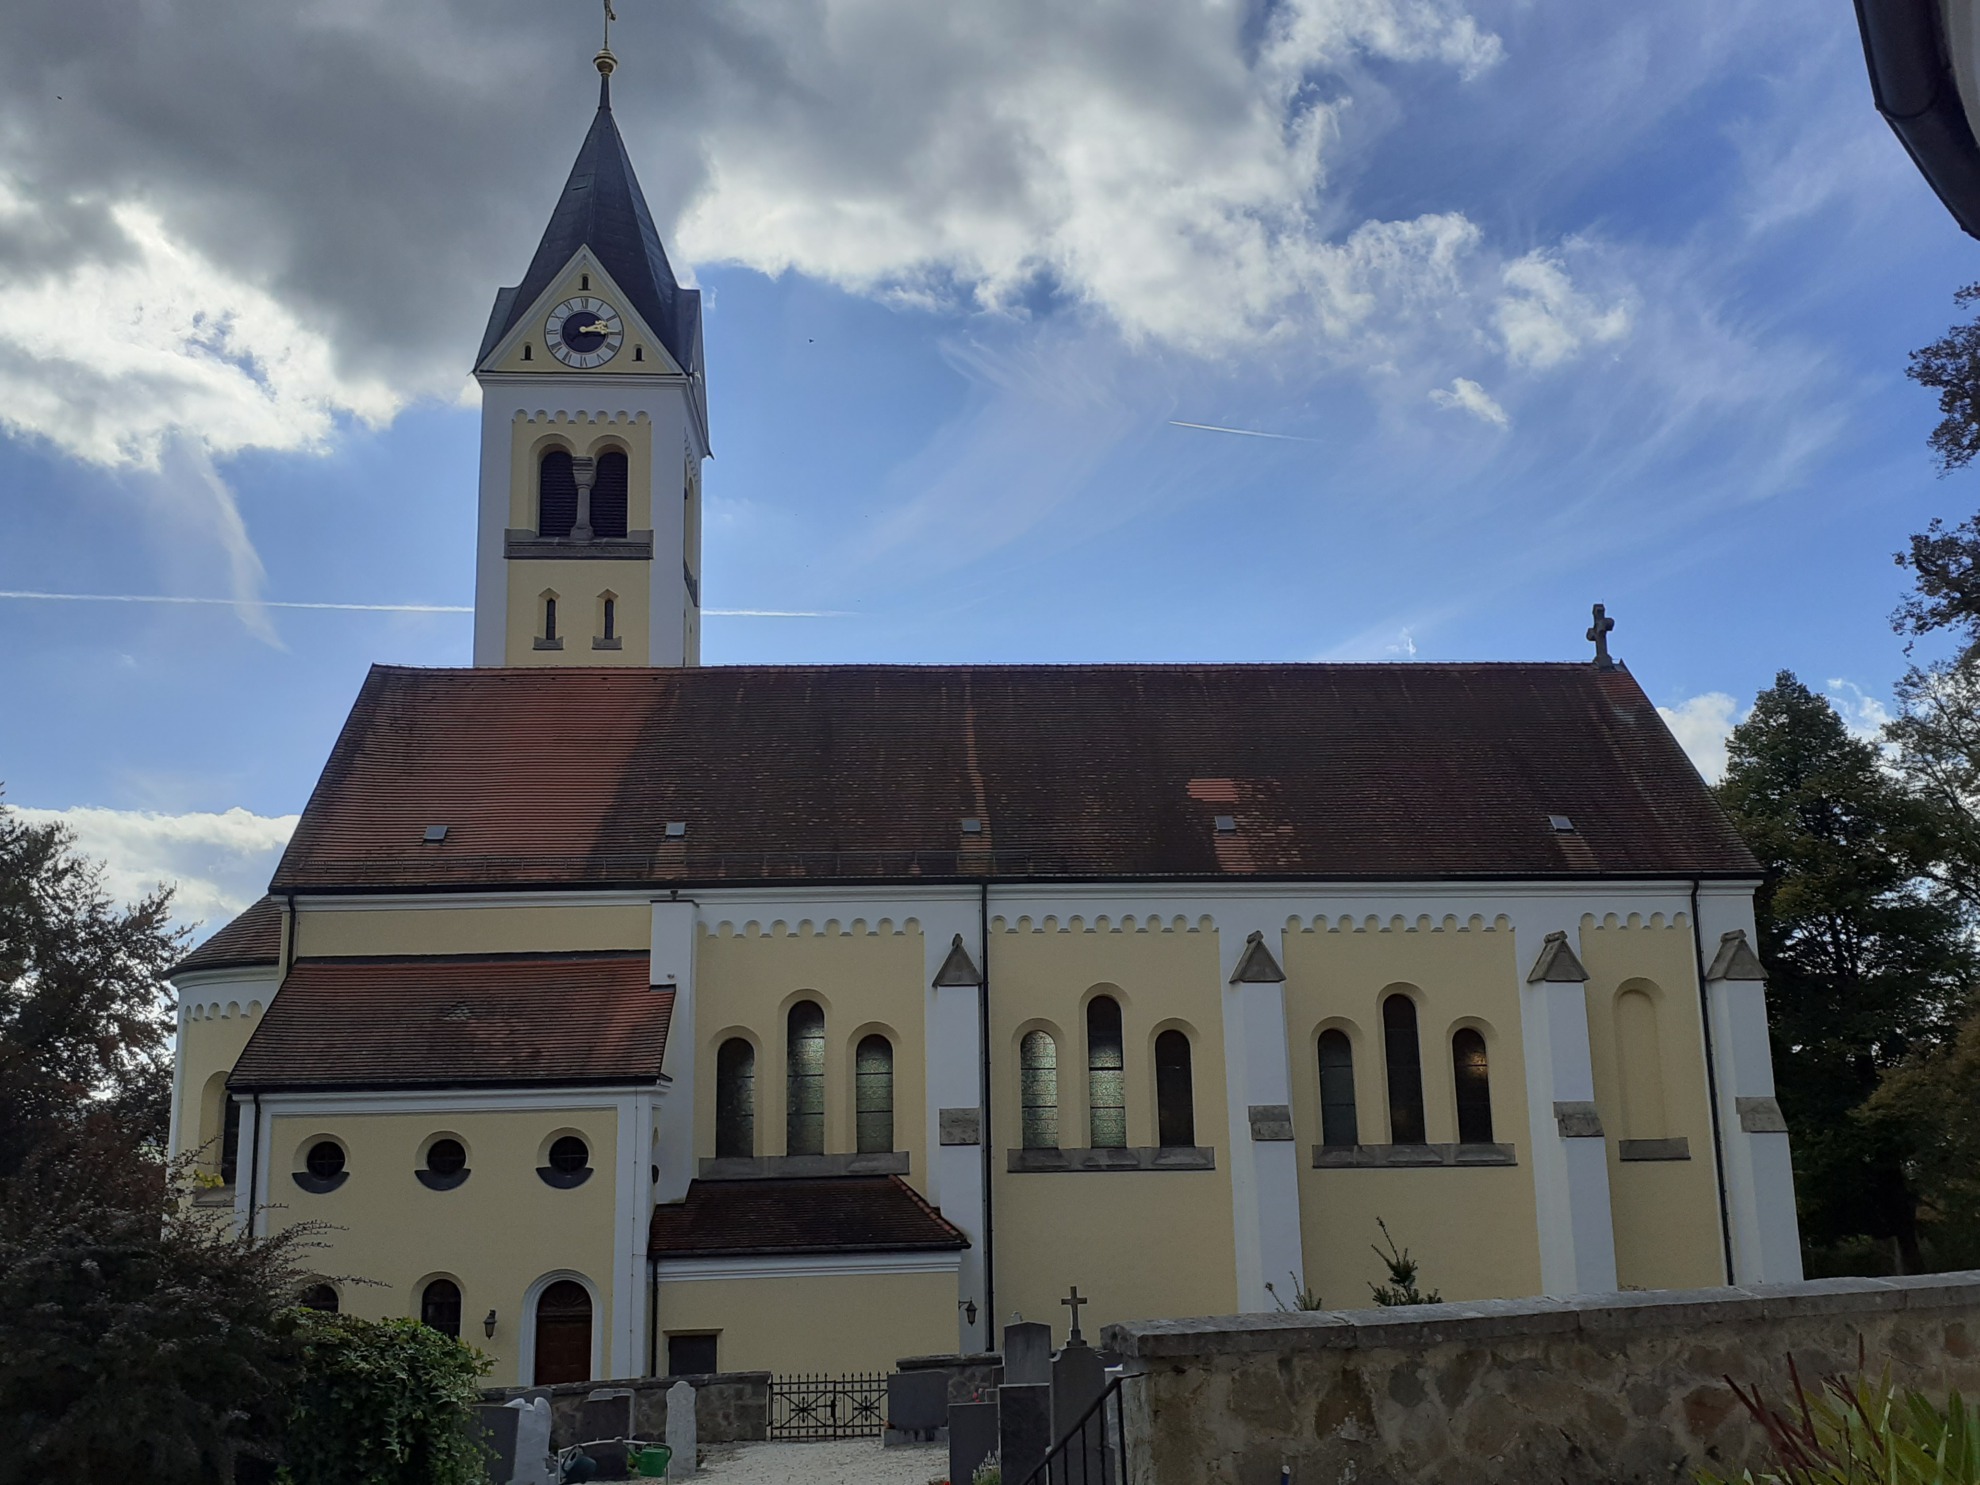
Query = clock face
x=584 y=332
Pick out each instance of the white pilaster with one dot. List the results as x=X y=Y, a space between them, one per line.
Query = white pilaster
x=1569 y=1150
x=1264 y=1161
x=953 y=1055
x=674 y=931
x=1766 y=1236
x=250 y=1168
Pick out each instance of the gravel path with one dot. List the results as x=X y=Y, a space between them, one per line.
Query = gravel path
x=837 y=1462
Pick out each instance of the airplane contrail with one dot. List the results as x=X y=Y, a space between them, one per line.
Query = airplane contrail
x=1247 y=432
x=374 y=608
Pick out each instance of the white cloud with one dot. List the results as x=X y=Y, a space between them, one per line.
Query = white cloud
x=219 y=863
x=1465 y=395
x=1864 y=715
x=1544 y=320
x=1701 y=725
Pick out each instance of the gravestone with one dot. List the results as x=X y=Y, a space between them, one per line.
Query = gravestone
x=1027 y=1353
x=607 y=1414
x=498 y=1422
x=681 y=1432
x=1079 y=1377
x=972 y=1438
x=917 y=1407
x=533 y=1465
x=1024 y=1427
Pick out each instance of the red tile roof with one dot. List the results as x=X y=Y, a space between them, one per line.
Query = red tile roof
x=430 y=1022
x=825 y=1214
x=1408 y=771
x=255 y=937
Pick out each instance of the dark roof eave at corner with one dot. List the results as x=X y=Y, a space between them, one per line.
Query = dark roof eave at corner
x=437 y=1085
x=1917 y=92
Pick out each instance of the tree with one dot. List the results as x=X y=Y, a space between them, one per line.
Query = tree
x=1932 y=1103
x=85 y=1028
x=1867 y=957
x=384 y=1403
x=1951 y=366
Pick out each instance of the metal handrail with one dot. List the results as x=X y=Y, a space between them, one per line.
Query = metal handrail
x=1064 y=1456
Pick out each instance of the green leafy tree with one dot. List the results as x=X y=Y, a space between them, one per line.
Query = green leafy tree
x=85 y=1025
x=1950 y=366
x=1931 y=1102
x=384 y=1403
x=1867 y=957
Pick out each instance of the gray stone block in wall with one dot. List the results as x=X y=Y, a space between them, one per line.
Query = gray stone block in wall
x=960 y=1126
x=972 y=1438
x=1027 y=1354
x=682 y=1436
x=607 y=1414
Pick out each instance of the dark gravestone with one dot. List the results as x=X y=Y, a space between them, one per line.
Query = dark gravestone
x=497 y=1423
x=607 y=1414
x=1027 y=1353
x=1024 y=1428
x=972 y=1438
x=917 y=1407
x=1079 y=1377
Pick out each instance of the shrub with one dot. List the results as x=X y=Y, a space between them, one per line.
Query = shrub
x=1854 y=1431
x=383 y=1403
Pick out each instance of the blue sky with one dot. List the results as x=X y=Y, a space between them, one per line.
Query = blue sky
x=1550 y=302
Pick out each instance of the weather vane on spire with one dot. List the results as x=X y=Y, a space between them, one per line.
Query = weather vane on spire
x=611 y=15
x=605 y=61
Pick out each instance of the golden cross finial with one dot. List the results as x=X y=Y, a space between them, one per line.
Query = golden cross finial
x=611 y=15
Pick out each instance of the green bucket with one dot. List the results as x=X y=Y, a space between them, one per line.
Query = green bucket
x=653 y=1462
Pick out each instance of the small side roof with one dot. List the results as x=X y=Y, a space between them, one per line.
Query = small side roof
x=255 y=937
x=826 y=1214
x=446 y=1022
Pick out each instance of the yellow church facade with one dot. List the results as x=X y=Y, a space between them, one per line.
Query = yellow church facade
x=626 y=1016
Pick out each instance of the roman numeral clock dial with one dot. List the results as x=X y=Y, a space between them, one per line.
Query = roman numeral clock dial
x=584 y=332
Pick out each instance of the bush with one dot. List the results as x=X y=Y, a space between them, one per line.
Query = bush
x=1854 y=1431
x=383 y=1403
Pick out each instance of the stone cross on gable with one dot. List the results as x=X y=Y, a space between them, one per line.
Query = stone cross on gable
x=1598 y=634
x=1073 y=1302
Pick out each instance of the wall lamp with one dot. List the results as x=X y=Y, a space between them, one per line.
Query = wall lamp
x=488 y=1326
x=968 y=1307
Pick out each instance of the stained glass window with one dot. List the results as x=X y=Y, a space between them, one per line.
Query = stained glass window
x=1038 y=1090
x=873 y=1094
x=1106 y=1078
x=804 y=1125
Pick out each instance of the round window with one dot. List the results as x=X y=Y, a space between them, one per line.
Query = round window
x=446 y=1158
x=569 y=1155
x=325 y=1160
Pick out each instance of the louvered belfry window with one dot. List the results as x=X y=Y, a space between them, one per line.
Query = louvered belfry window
x=1337 y=1118
x=804 y=1124
x=873 y=1094
x=1038 y=1090
x=556 y=495
x=1106 y=1077
x=1175 y=1095
x=1405 y=1061
x=735 y=1099
x=1474 y=1088
x=609 y=496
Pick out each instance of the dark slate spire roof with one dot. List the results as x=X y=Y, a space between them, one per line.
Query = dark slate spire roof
x=604 y=209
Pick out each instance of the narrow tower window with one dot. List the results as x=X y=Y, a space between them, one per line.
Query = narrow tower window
x=873 y=1093
x=584 y=283
x=1337 y=1118
x=608 y=622
x=608 y=497
x=1474 y=1088
x=1038 y=1090
x=556 y=494
x=735 y=1100
x=804 y=1125
x=1106 y=1082
x=549 y=641
x=1175 y=1097
x=526 y=354
x=230 y=1141
x=639 y=353
x=1405 y=1070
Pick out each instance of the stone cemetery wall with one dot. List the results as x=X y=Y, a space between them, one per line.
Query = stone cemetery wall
x=730 y=1407
x=1605 y=1388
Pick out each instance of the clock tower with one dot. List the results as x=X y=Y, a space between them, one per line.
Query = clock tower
x=594 y=423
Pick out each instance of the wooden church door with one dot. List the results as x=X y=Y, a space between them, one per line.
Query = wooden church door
x=563 y=1334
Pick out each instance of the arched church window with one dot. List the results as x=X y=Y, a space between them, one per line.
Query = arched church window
x=550 y=620
x=556 y=494
x=1474 y=1088
x=1338 y=1125
x=320 y=1297
x=639 y=353
x=804 y=1123
x=1038 y=1090
x=440 y=1307
x=609 y=618
x=230 y=1141
x=873 y=1095
x=1405 y=1062
x=735 y=1099
x=1106 y=1077
x=608 y=496
x=1175 y=1097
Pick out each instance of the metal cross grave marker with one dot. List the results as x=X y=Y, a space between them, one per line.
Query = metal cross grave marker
x=1073 y=1302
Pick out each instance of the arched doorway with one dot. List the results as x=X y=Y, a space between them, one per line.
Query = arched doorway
x=563 y=1334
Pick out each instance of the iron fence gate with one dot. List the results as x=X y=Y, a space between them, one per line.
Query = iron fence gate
x=816 y=1406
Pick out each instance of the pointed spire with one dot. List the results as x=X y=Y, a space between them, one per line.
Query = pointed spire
x=1736 y=959
x=958 y=968
x=1255 y=965
x=1556 y=964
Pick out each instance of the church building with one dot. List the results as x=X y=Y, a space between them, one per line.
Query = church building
x=628 y=1016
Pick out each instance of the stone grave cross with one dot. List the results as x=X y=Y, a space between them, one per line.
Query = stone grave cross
x=1073 y=1302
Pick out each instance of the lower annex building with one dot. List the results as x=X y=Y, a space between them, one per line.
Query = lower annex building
x=801 y=1018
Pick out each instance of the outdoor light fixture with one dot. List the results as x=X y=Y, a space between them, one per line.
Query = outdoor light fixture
x=488 y=1326
x=968 y=1307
